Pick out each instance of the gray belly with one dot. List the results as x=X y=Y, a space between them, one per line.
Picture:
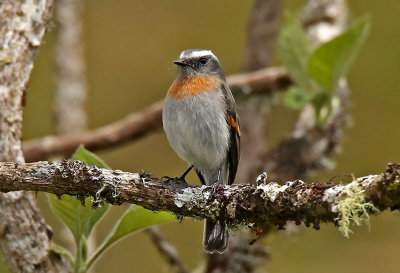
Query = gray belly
x=197 y=130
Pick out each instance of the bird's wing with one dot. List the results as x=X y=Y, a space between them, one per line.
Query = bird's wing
x=233 y=121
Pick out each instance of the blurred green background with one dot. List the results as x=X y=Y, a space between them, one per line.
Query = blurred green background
x=129 y=46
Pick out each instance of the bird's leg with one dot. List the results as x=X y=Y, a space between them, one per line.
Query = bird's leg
x=216 y=183
x=181 y=178
x=219 y=176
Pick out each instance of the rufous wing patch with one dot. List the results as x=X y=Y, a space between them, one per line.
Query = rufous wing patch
x=191 y=86
x=232 y=122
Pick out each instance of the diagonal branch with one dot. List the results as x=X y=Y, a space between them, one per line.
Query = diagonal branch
x=140 y=123
x=241 y=204
x=167 y=250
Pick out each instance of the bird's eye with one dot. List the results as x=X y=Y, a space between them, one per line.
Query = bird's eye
x=203 y=61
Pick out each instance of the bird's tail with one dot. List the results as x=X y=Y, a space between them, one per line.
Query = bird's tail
x=216 y=236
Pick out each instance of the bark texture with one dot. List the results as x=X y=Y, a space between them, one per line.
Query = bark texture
x=24 y=237
x=243 y=204
x=71 y=83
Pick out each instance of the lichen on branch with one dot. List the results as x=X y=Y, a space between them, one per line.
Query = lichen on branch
x=238 y=204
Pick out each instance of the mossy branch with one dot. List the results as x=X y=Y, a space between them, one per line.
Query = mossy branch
x=240 y=204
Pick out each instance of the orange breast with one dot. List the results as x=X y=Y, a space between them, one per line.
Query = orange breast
x=191 y=86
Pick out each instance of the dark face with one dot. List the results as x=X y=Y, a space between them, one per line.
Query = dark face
x=203 y=62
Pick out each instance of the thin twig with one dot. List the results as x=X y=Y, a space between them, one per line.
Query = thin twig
x=167 y=251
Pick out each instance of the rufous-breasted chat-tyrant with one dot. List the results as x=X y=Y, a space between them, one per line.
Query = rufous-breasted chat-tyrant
x=202 y=126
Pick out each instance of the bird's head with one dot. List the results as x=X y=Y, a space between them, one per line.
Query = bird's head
x=194 y=62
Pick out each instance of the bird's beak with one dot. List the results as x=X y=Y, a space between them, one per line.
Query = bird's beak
x=180 y=62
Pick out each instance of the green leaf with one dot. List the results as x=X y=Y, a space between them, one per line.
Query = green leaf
x=88 y=157
x=332 y=60
x=321 y=101
x=296 y=98
x=91 y=159
x=294 y=50
x=79 y=219
x=97 y=214
x=134 y=219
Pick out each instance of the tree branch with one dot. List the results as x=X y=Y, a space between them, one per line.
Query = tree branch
x=140 y=123
x=262 y=28
x=167 y=251
x=244 y=204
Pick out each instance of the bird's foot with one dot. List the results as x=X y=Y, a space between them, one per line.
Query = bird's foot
x=174 y=179
x=177 y=179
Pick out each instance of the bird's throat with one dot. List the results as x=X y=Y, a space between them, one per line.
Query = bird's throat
x=189 y=86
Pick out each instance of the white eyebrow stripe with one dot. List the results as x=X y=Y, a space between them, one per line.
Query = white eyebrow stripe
x=198 y=54
x=182 y=54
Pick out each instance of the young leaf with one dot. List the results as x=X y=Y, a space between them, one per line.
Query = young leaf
x=321 y=101
x=91 y=159
x=97 y=214
x=134 y=219
x=295 y=49
x=79 y=219
x=71 y=212
x=296 y=98
x=332 y=60
x=88 y=157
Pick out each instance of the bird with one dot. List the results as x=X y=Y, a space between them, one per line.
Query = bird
x=202 y=126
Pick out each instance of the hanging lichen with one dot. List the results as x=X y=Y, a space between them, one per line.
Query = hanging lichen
x=353 y=209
